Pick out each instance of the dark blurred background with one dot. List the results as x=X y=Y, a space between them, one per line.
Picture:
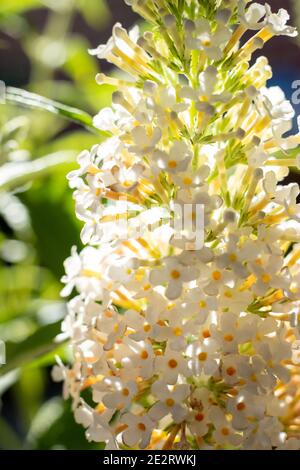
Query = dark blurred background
x=43 y=48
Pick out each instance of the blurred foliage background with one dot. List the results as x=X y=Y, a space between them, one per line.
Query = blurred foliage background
x=43 y=49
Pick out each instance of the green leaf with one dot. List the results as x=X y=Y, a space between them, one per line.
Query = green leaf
x=36 y=345
x=77 y=140
x=28 y=393
x=54 y=428
x=8 y=438
x=18 y=6
x=56 y=228
x=95 y=12
x=49 y=359
x=9 y=379
x=16 y=174
x=32 y=100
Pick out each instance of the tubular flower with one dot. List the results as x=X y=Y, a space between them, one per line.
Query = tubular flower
x=176 y=345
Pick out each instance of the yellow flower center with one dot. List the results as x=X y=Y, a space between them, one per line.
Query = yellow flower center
x=187 y=181
x=228 y=294
x=177 y=331
x=266 y=278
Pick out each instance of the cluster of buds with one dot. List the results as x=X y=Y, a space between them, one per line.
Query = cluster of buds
x=180 y=346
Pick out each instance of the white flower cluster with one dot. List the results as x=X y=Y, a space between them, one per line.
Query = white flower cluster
x=177 y=347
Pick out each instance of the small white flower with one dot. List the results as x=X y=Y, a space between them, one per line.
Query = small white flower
x=170 y=365
x=171 y=401
x=223 y=434
x=244 y=408
x=174 y=274
x=138 y=431
x=277 y=22
x=204 y=357
x=254 y=16
x=120 y=396
x=174 y=161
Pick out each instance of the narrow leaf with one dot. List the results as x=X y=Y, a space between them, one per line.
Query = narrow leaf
x=27 y=99
x=15 y=174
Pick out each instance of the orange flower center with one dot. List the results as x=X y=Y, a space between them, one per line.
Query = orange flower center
x=230 y=371
x=172 y=363
x=175 y=274
x=216 y=275
x=206 y=334
x=170 y=402
x=202 y=356
x=240 y=406
x=225 y=431
x=144 y=355
x=199 y=417
x=228 y=338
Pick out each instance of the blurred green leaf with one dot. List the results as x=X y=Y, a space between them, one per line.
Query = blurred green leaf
x=32 y=100
x=52 y=216
x=53 y=424
x=7 y=380
x=48 y=414
x=17 y=6
x=37 y=344
x=29 y=392
x=16 y=174
x=8 y=438
x=17 y=284
x=48 y=360
x=77 y=141
x=95 y=12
